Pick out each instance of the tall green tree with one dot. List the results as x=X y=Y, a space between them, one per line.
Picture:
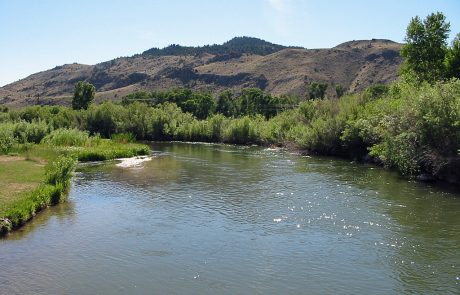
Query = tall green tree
x=339 y=90
x=201 y=105
x=226 y=104
x=453 y=59
x=83 y=95
x=425 y=49
x=317 y=90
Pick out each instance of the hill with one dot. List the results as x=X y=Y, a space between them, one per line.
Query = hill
x=239 y=63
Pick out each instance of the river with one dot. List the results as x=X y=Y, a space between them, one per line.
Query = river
x=220 y=219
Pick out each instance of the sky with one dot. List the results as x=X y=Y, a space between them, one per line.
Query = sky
x=37 y=35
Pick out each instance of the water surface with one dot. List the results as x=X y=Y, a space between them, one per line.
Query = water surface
x=217 y=219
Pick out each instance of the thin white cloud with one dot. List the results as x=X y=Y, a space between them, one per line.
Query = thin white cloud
x=146 y=35
x=281 y=10
x=279 y=6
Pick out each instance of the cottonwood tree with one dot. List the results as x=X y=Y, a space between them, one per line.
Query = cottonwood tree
x=317 y=90
x=83 y=95
x=453 y=59
x=339 y=90
x=425 y=49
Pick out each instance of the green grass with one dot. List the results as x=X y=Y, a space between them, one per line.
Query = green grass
x=18 y=175
x=105 y=150
x=28 y=186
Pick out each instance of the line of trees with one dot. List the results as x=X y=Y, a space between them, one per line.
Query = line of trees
x=251 y=101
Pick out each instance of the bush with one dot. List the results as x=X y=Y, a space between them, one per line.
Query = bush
x=108 y=150
x=31 y=132
x=137 y=119
x=413 y=129
x=59 y=171
x=103 y=119
x=7 y=139
x=242 y=130
x=67 y=137
x=124 y=137
x=217 y=124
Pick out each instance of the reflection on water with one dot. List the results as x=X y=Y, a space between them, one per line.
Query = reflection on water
x=60 y=214
x=206 y=219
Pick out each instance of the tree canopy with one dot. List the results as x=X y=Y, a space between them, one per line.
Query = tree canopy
x=453 y=59
x=317 y=90
x=426 y=48
x=83 y=95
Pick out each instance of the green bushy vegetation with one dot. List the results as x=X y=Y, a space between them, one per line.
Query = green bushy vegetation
x=105 y=150
x=51 y=191
x=251 y=101
x=413 y=128
x=7 y=139
x=83 y=96
x=126 y=137
x=235 y=47
x=66 y=137
x=58 y=172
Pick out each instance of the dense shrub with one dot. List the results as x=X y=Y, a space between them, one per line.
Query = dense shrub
x=33 y=132
x=103 y=118
x=137 y=119
x=126 y=137
x=7 y=139
x=243 y=130
x=67 y=137
x=413 y=128
x=59 y=171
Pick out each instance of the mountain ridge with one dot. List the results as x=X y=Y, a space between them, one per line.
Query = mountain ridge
x=238 y=63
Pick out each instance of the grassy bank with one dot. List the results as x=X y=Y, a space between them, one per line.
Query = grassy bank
x=35 y=176
x=42 y=186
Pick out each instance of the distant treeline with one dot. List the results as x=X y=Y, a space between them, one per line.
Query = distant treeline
x=236 y=47
x=251 y=101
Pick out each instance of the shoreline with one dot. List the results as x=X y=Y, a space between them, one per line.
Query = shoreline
x=55 y=183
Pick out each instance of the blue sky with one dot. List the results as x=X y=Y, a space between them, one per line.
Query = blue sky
x=39 y=34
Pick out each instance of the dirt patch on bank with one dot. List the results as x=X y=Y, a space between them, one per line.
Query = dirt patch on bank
x=11 y=158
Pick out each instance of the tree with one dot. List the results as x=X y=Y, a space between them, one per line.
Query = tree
x=377 y=91
x=426 y=47
x=453 y=59
x=83 y=95
x=254 y=101
x=339 y=90
x=141 y=96
x=201 y=105
x=226 y=104
x=317 y=90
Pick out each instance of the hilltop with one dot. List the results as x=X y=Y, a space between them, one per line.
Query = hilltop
x=239 y=63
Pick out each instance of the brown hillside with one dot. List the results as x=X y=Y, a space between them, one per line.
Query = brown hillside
x=355 y=65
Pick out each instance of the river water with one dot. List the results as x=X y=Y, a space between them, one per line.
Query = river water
x=218 y=219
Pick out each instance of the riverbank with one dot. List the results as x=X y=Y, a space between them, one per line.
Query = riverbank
x=38 y=176
x=412 y=129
